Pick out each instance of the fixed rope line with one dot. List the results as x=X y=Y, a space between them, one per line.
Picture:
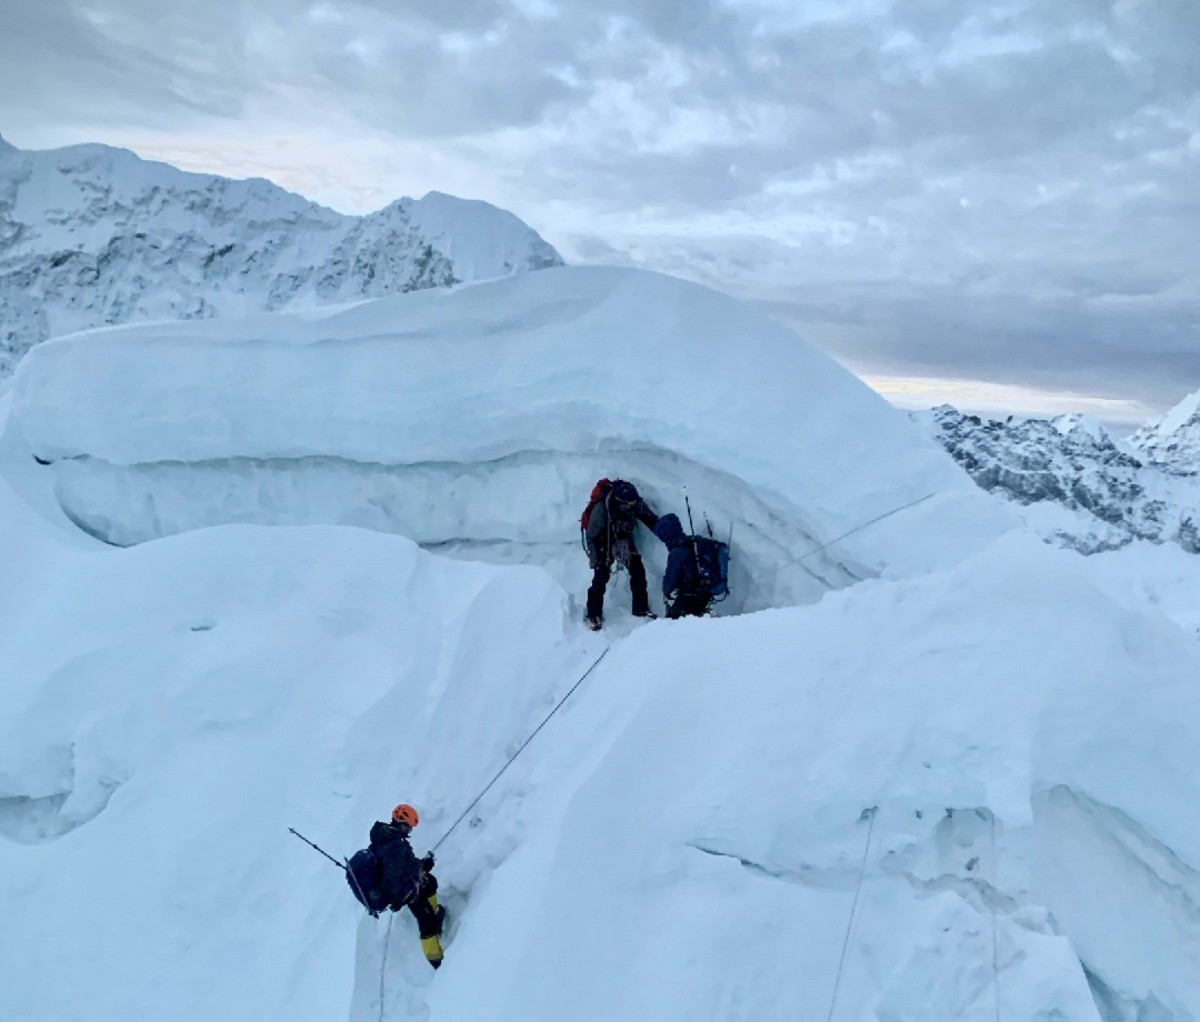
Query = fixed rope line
x=345 y=865
x=859 y=528
x=995 y=952
x=383 y=963
x=862 y=872
x=512 y=758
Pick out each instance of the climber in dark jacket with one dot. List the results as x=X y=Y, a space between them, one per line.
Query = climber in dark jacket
x=683 y=592
x=610 y=539
x=406 y=880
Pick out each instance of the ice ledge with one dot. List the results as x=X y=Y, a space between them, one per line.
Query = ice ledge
x=520 y=509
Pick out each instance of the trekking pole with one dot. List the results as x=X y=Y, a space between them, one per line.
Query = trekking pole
x=343 y=865
x=692 y=530
x=340 y=865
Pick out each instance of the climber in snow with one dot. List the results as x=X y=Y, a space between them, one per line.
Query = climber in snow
x=388 y=875
x=697 y=573
x=608 y=524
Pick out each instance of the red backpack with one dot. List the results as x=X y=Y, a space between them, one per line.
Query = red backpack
x=599 y=492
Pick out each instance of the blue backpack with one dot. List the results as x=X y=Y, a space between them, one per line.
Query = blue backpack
x=362 y=874
x=712 y=559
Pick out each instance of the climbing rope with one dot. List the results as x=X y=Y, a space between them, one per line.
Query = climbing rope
x=859 y=528
x=383 y=961
x=475 y=802
x=862 y=872
x=513 y=757
x=995 y=952
x=391 y=916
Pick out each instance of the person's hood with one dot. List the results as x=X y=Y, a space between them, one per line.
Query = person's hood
x=385 y=833
x=670 y=531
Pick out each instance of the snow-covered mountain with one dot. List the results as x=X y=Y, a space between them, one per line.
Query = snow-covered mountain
x=1173 y=442
x=1078 y=484
x=923 y=767
x=91 y=235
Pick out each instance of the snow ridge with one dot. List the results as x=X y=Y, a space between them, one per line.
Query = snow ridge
x=1079 y=485
x=476 y=420
x=1173 y=442
x=91 y=235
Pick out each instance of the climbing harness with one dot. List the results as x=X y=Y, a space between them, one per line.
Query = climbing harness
x=862 y=871
x=513 y=757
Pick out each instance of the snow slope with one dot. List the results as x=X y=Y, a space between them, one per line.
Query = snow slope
x=476 y=420
x=1145 y=575
x=684 y=840
x=91 y=235
x=997 y=718
x=964 y=789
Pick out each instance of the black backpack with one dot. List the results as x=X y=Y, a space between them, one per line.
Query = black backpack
x=712 y=561
x=362 y=874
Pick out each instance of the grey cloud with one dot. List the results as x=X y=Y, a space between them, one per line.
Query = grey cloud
x=1147 y=354
x=64 y=67
x=1004 y=188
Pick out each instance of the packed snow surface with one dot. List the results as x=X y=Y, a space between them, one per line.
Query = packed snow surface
x=476 y=420
x=962 y=789
x=985 y=773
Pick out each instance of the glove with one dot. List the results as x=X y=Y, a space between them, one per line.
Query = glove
x=428 y=862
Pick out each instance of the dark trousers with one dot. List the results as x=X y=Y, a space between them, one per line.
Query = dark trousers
x=688 y=605
x=637 y=586
x=424 y=908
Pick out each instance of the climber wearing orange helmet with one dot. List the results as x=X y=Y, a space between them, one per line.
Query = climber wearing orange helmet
x=406 y=880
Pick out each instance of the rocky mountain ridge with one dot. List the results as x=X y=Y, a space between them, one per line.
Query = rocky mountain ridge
x=1078 y=484
x=91 y=236
x=1173 y=442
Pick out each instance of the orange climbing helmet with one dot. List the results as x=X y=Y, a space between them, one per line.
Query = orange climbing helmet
x=404 y=813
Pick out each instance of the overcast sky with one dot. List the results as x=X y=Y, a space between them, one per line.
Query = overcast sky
x=993 y=203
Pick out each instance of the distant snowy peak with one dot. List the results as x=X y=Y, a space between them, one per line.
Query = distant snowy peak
x=91 y=235
x=1086 y=431
x=477 y=236
x=1079 y=485
x=1174 y=441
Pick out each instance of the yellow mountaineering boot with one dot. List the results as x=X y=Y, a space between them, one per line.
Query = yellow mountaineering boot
x=431 y=939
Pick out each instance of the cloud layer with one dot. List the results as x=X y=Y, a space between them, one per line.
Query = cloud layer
x=1001 y=191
